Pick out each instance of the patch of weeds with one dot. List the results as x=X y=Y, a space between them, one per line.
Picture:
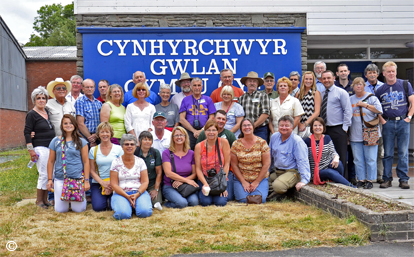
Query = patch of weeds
x=45 y=253
x=186 y=249
x=383 y=230
x=157 y=234
x=136 y=253
x=351 y=219
x=300 y=243
x=199 y=241
x=401 y=197
x=226 y=248
x=349 y=240
x=195 y=214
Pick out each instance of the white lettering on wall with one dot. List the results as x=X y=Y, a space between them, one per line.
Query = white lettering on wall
x=163 y=67
x=282 y=47
x=99 y=47
x=200 y=46
x=178 y=66
x=227 y=64
x=213 y=66
x=263 y=52
x=218 y=46
x=174 y=47
x=192 y=47
x=160 y=47
x=122 y=47
x=142 y=50
x=243 y=46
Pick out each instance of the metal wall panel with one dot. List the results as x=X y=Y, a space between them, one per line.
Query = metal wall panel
x=13 y=87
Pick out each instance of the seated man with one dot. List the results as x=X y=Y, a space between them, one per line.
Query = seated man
x=290 y=164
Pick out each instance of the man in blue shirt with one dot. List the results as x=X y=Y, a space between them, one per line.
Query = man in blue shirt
x=371 y=85
x=336 y=110
x=137 y=77
x=289 y=160
x=397 y=100
x=88 y=112
x=318 y=68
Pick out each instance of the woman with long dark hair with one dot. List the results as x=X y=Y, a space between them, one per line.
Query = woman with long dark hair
x=68 y=154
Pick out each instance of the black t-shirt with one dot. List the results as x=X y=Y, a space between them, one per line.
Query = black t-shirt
x=44 y=132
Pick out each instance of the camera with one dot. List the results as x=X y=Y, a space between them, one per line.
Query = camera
x=211 y=172
x=196 y=124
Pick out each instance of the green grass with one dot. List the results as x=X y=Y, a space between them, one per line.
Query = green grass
x=17 y=181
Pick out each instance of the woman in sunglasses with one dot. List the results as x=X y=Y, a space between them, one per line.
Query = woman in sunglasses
x=37 y=121
x=138 y=116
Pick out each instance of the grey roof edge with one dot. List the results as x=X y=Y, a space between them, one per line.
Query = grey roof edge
x=8 y=31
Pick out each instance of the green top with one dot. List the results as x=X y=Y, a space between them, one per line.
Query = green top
x=116 y=119
x=151 y=161
x=273 y=95
x=227 y=134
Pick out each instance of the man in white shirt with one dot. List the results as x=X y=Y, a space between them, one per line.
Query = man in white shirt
x=161 y=136
x=75 y=92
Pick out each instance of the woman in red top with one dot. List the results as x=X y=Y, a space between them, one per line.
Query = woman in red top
x=206 y=158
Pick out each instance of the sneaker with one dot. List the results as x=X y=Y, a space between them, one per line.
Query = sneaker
x=386 y=184
x=404 y=185
x=360 y=184
x=158 y=206
x=380 y=181
x=368 y=185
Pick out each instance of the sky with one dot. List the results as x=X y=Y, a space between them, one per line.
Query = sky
x=19 y=15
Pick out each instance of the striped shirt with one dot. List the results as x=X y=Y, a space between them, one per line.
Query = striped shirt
x=255 y=104
x=328 y=153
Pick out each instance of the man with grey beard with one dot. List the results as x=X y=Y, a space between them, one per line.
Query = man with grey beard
x=318 y=68
x=185 y=83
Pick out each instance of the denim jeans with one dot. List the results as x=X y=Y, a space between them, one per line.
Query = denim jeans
x=230 y=186
x=123 y=209
x=240 y=195
x=99 y=202
x=210 y=199
x=365 y=156
x=175 y=200
x=336 y=175
x=261 y=131
x=401 y=130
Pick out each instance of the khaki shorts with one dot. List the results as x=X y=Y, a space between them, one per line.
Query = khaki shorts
x=282 y=180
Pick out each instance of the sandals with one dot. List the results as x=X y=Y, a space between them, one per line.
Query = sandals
x=48 y=204
x=42 y=205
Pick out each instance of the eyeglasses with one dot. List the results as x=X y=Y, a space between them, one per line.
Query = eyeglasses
x=227 y=77
x=211 y=130
x=140 y=89
x=50 y=124
x=129 y=144
x=60 y=88
x=41 y=98
x=294 y=79
x=178 y=136
x=269 y=80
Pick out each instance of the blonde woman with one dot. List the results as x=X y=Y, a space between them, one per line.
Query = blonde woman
x=114 y=112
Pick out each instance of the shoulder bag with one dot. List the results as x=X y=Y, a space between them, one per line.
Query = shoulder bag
x=216 y=181
x=370 y=132
x=73 y=189
x=184 y=189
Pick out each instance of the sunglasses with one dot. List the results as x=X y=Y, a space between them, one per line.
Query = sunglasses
x=60 y=88
x=129 y=144
x=141 y=89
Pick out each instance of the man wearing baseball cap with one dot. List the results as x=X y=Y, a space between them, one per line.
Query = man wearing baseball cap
x=269 y=82
x=256 y=105
x=185 y=83
x=161 y=136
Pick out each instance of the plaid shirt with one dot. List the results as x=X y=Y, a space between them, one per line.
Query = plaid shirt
x=90 y=111
x=255 y=104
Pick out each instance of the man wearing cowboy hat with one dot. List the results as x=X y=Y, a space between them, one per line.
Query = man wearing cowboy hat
x=185 y=83
x=256 y=104
x=58 y=106
x=226 y=77
x=88 y=110
x=138 y=77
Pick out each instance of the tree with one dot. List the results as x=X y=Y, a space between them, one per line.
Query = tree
x=55 y=25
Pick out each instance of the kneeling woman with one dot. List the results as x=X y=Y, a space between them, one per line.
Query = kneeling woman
x=129 y=180
x=323 y=159
x=68 y=157
x=211 y=154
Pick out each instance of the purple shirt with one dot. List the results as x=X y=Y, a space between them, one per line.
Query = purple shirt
x=197 y=109
x=393 y=99
x=182 y=165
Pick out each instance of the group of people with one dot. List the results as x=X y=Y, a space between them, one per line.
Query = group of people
x=140 y=148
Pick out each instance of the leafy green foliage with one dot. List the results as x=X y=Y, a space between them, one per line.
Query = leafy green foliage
x=55 y=26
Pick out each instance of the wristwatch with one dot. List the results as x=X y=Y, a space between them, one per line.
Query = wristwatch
x=410 y=117
x=156 y=190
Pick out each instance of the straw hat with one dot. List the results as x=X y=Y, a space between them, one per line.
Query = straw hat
x=252 y=75
x=184 y=76
x=55 y=82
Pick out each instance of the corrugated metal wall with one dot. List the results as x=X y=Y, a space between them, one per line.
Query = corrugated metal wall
x=13 y=83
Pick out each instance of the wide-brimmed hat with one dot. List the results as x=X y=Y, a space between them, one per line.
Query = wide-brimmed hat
x=55 y=82
x=184 y=76
x=252 y=75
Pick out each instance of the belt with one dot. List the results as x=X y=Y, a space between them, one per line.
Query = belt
x=395 y=118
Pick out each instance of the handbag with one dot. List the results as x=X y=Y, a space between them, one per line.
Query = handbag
x=218 y=182
x=184 y=189
x=73 y=189
x=254 y=199
x=370 y=132
x=97 y=170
